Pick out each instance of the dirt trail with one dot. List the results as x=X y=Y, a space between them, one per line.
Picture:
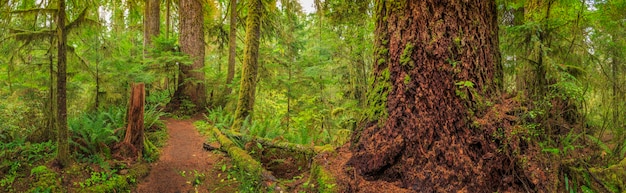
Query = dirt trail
x=184 y=152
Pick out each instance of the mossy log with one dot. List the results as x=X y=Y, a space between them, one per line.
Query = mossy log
x=308 y=150
x=242 y=158
x=612 y=177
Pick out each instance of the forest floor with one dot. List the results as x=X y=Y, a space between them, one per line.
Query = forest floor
x=184 y=166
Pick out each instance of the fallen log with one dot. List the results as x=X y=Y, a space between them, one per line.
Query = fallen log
x=242 y=158
x=308 y=150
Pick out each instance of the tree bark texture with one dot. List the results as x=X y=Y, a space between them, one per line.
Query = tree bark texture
x=151 y=23
x=245 y=104
x=63 y=155
x=232 y=46
x=436 y=63
x=132 y=146
x=191 y=82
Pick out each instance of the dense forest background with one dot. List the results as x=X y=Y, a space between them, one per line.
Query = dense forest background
x=269 y=69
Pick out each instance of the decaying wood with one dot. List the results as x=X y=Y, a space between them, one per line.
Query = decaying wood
x=308 y=150
x=132 y=146
x=242 y=158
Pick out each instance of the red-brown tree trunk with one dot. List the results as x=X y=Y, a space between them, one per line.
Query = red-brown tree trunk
x=191 y=83
x=151 y=23
x=132 y=145
x=437 y=65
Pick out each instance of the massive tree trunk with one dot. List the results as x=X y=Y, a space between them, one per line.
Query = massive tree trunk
x=151 y=23
x=247 y=89
x=63 y=155
x=436 y=66
x=232 y=46
x=191 y=84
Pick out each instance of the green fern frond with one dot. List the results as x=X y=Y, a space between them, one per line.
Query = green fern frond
x=600 y=144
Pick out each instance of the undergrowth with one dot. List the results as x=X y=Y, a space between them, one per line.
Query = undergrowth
x=273 y=128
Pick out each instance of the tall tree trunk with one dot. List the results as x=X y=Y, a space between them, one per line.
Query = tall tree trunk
x=63 y=154
x=151 y=23
x=191 y=81
x=167 y=18
x=436 y=62
x=232 y=46
x=245 y=104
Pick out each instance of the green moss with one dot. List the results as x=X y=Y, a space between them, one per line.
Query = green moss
x=239 y=156
x=405 y=58
x=325 y=181
x=407 y=79
x=45 y=180
x=613 y=176
x=377 y=97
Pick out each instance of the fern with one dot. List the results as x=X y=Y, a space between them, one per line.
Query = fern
x=600 y=144
x=94 y=132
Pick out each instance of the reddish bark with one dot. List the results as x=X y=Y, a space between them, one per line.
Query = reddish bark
x=428 y=53
x=132 y=146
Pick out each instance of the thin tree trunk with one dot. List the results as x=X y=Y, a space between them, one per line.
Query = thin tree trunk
x=52 y=103
x=167 y=19
x=63 y=155
x=245 y=104
x=232 y=46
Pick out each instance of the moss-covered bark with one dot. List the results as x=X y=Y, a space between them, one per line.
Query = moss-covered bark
x=63 y=148
x=245 y=104
x=232 y=46
x=418 y=129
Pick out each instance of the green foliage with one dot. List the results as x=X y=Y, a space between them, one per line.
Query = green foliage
x=93 y=133
x=18 y=155
x=46 y=180
x=152 y=118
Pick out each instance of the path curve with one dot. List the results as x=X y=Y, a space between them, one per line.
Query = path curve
x=183 y=152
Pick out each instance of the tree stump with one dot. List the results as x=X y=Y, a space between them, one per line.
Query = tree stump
x=132 y=145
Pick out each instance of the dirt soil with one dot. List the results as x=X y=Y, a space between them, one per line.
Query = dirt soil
x=184 y=152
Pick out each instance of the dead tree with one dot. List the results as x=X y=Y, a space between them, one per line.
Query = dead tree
x=132 y=146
